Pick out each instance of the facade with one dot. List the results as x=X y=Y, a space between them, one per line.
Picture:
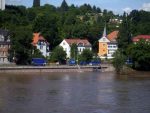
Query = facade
x=139 y=37
x=41 y=44
x=108 y=44
x=2 y=4
x=4 y=46
x=81 y=45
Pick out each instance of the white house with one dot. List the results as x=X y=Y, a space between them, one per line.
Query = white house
x=41 y=44
x=81 y=45
x=2 y=4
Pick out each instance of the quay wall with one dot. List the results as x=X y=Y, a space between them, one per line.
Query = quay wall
x=60 y=68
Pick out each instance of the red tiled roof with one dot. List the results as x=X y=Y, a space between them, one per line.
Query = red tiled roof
x=85 y=42
x=113 y=35
x=36 y=38
x=137 y=38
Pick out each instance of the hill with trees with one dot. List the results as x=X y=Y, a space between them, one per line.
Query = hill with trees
x=57 y=23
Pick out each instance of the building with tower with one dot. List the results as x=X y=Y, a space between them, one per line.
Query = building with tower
x=2 y=4
x=108 y=44
x=36 y=3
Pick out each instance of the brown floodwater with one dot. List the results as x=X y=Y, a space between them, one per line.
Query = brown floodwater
x=89 y=92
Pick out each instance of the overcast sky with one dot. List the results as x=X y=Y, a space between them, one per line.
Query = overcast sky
x=117 y=6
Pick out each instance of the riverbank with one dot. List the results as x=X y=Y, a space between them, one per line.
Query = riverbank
x=40 y=69
x=131 y=73
x=56 y=68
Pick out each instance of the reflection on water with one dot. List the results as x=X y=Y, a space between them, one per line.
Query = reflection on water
x=93 y=92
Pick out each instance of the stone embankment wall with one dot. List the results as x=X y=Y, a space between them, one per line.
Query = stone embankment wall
x=60 y=68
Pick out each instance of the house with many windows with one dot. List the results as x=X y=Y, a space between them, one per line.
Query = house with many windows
x=108 y=44
x=81 y=45
x=4 y=46
x=41 y=44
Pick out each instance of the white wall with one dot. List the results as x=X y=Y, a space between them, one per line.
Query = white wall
x=43 y=48
x=66 y=48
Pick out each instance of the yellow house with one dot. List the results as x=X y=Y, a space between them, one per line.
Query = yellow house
x=107 y=44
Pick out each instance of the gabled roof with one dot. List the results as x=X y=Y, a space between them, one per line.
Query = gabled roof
x=113 y=36
x=77 y=41
x=37 y=37
x=138 y=37
x=104 y=40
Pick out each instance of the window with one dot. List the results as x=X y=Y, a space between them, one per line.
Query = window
x=41 y=47
x=104 y=39
x=80 y=49
x=114 y=46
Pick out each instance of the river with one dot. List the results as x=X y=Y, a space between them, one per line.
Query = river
x=92 y=92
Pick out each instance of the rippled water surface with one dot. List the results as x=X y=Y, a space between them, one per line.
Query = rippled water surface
x=93 y=92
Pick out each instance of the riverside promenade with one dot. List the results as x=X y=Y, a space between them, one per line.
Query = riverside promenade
x=55 y=68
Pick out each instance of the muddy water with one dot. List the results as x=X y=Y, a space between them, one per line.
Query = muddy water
x=92 y=92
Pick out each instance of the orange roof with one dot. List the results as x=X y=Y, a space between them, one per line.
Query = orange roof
x=36 y=38
x=113 y=35
x=85 y=42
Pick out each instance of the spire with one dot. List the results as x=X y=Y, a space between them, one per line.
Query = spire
x=104 y=32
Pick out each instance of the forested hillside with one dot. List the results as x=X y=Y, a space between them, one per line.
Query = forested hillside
x=57 y=23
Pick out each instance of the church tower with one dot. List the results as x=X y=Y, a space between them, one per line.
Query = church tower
x=2 y=4
x=36 y=3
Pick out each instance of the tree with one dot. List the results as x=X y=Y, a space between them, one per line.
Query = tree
x=64 y=6
x=21 y=45
x=124 y=38
x=86 y=55
x=47 y=26
x=118 y=61
x=36 y=3
x=74 y=51
x=58 y=55
x=140 y=54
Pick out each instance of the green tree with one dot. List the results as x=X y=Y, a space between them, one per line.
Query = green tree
x=86 y=55
x=36 y=3
x=140 y=54
x=64 y=6
x=124 y=38
x=21 y=45
x=58 y=55
x=47 y=26
x=74 y=51
x=118 y=61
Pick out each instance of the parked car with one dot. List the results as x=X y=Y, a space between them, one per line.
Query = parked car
x=93 y=63
x=38 y=61
x=71 y=62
